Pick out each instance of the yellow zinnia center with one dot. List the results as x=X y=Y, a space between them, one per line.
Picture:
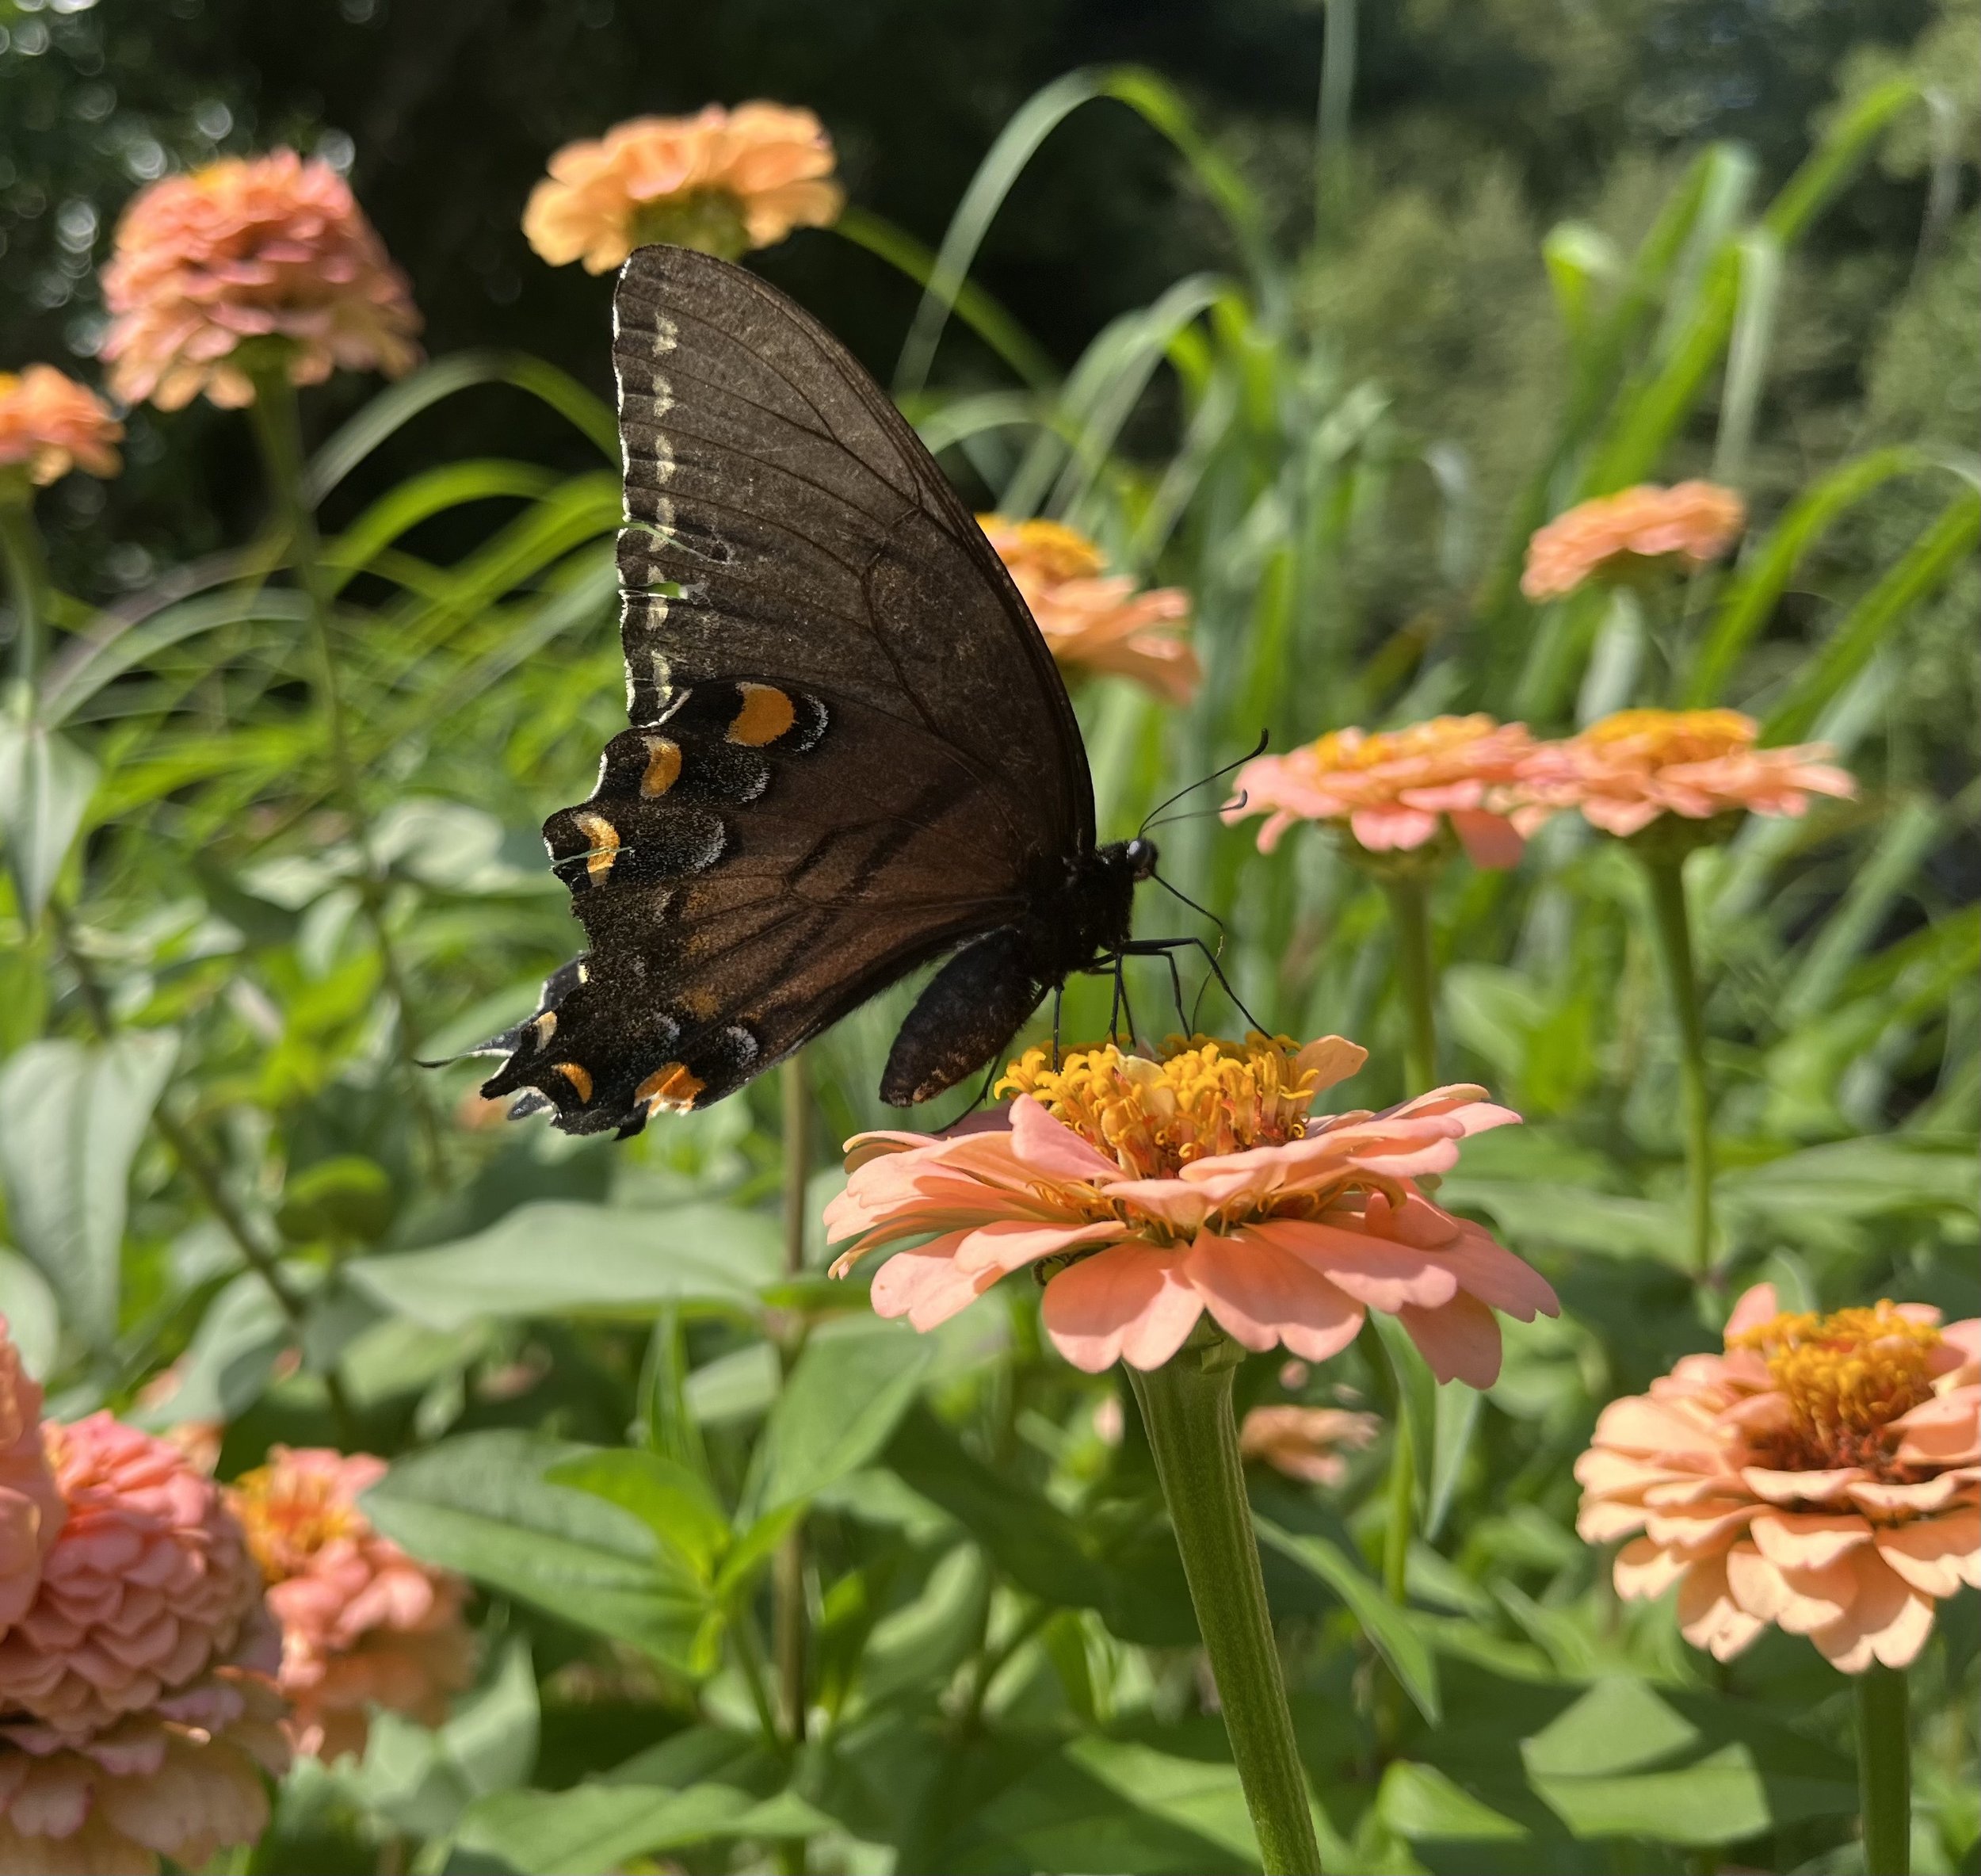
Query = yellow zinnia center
x=1357 y=749
x=1204 y=1097
x=1669 y=736
x=287 y=1519
x=1846 y=1377
x=1046 y=550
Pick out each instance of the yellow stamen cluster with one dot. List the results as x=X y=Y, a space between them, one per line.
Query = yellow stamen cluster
x=1046 y=550
x=289 y=1517
x=1846 y=1376
x=1373 y=749
x=1204 y=1097
x=1666 y=737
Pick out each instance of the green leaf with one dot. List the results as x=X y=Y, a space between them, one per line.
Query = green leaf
x=605 y=1827
x=558 y=1258
x=754 y=1548
x=676 y=1505
x=483 y=1505
x=46 y=782
x=227 y=1367
x=34 y=1321
x=1398 y=1638
x=839 y=1406
x=71 y=1118
x=1420 y=1802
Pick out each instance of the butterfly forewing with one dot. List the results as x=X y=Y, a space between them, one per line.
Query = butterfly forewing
x=848 y=749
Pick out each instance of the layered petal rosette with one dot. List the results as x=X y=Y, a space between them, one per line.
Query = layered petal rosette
x=269 y=250
x=1396 y=791
x=722 y=181
x=1824 y=1474
x=1144 y=1194
x=1094 y=620
x=363 y=1624
x=49 y=425
x=1636 y=532
x=1631 y=767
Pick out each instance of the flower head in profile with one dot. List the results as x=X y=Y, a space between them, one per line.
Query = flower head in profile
x=137 y=1715
x=1637 y=532
x=722 y=181
x=248 y=259
x=1308 y=1443
x=1396 y=791
x=1144 y=1193
x=363 y=1625
x=1095 y=621
x=49 y=425
x=1626 y=769
x=1822 y=1474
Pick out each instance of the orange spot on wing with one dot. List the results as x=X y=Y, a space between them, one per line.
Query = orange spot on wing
x=765 y=715
x=604 y=839
x=580 y=1078
x=663 y=767
x=669 y=1089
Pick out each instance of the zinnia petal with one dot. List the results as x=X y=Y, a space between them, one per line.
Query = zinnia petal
x=1130 y=1302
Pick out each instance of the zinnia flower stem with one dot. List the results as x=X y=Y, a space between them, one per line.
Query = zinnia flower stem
x=1416 y=980
x=1186 y=1406
x=28 y=583
x=1672 y=920
x=787 y=1582
x=280 y=434
x=1884 y=1771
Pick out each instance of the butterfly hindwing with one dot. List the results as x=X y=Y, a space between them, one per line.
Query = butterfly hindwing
x=849 y=750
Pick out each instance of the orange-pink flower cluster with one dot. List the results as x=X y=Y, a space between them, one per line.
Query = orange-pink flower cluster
x=1307 y=1443
x=363 y=1625
x=49 y=425
x=1094 y=620
x=1624 y=535
x=723 y=181
x=1824 y=1474
x=1146 y=1194
x=269 y=248
x=136 y=1712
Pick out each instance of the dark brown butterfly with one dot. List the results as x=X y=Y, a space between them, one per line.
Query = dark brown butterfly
x=850 y=752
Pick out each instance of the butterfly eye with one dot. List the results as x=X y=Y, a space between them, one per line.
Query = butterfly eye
x=1141 y=857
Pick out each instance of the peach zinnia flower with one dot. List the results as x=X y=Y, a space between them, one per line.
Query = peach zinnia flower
x=363 y=1625
x=136 y=1713
x=1626 y=769
x=1306 y=1442
x=1093 y=620
x=721 y=180
x=1623 y=536
x=1395 y=790
x=1824 y=1474
x=257 y=249
x=1144 y=1193
x=51 y=424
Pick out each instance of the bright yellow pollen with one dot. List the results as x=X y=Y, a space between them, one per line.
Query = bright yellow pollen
x=1204 y=1096
x=1048 y=548
x=1848 y=1376
x=288 y=1519
x=1371 y=749
x=1669 y=736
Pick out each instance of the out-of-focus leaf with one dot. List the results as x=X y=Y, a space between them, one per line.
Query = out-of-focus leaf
x=343 y=1199
x=559 y=1258
x=674 y=1504
x=46 y=782
x=1398 y=1638
x=840 y=1404
x=605 y=1827
x=1607 y=1223
x=228 y=1366
x=1854 y=1180
x=483 y=1505
x=71 y=1118
x=1419 y=1802
x=34 y=1323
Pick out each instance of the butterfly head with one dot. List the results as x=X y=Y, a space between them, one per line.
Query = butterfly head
x=1141 y=858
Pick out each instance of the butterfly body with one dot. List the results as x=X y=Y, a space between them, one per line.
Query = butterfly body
x=848 y=750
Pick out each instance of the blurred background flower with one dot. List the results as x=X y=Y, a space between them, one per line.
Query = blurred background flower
x=1310 y=1444
x=49 y=425
x=1632 y=536
x=722 y=181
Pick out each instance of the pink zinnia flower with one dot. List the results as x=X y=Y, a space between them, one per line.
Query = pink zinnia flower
x=1145 y=1193
x=1396 y=790
x=363 y=1625
x=1824 y=1474
x=49 y=425
x=1093 y=620
x=135 y=1652
x=721 y=180
x=266 y=248
x=1307 y=1442
x=1628 y=769
x=1624 y=535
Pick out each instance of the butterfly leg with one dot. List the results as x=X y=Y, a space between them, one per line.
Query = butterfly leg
x=1149 y=947
x=1059 y=1002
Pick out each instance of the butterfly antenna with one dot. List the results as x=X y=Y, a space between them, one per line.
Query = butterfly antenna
x=1258 y=749
x=1239 y=800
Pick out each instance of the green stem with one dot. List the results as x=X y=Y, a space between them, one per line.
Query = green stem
x=28 y=582
x=1402 y=1506
x=1673 y=923
x=1416 y=980
x=787 y=1579
x=1186 y=1407
x=280 y=434
x=1884 y=1771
